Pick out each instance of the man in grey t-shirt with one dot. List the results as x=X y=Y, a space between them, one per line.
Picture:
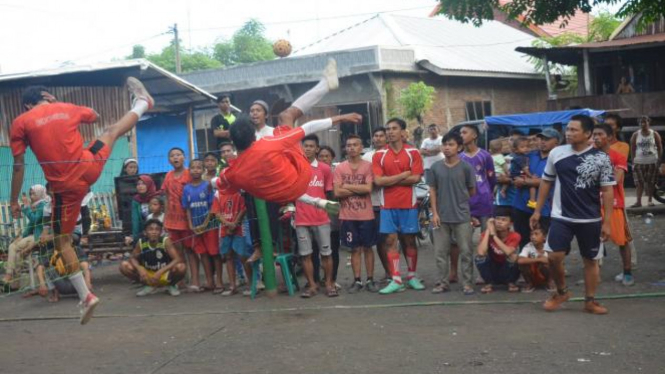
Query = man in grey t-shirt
x=453 y=182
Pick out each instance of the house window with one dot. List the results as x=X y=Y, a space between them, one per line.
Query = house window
x=477 y=110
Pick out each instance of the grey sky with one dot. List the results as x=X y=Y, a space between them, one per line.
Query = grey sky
x=45 y=34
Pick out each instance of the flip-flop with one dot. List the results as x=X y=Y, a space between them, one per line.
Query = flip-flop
x=218 y=290
x=513 y=288
x=308 y=293
x=651 y=204
x=230 y=292
x=195 y=289
x=332 y=292
x=636 y=205
x=469 y=292
x=487 y=289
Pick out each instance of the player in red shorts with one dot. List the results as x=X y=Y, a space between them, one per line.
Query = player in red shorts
x=274 y=168
x=50 y=129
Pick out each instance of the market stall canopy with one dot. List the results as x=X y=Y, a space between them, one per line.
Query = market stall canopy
x=540 y=119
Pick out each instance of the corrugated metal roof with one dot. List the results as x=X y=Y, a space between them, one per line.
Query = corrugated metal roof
x=441 y=45
x=167 y=88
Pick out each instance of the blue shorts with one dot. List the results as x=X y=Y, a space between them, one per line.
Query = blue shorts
x=400 y=221
x=235 y=243
x=561 y=235
x=356 y=234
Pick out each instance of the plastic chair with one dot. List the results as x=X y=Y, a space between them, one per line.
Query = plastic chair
x=286 y=264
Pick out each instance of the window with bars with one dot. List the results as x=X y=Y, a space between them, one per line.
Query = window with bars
x=477 y=110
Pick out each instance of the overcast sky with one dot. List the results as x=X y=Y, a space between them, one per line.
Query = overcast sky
x=42 y=34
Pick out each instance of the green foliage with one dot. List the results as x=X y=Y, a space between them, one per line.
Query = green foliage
x=539 y=12
x=416 y=100
x=138 y=51
x=248 y=44
x=189 y=60
x=602 y=26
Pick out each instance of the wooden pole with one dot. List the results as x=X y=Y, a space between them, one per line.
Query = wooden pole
x=190 y=131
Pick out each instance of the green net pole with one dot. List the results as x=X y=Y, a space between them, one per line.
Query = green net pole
x=266 y=246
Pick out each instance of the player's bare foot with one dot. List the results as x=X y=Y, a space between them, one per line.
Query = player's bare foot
x=139 y=92
x=330 y=74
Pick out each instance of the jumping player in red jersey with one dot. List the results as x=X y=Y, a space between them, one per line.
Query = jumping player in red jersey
x=50 y=129
x=274 y=168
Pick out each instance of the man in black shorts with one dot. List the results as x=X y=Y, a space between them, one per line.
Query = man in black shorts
x=579 y=173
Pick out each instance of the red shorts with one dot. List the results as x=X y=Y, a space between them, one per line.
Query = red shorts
x=183 y=237
x=206 y=243
x=67 y=195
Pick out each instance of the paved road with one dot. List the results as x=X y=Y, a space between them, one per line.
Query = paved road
x=412 y=332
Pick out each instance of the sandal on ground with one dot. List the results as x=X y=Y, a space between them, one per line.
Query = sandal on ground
x=513 y=288
x=487 y=289
x=218 y=290
x=468 y=291
x=230 y=292
x=651 y=204
x=308 y=293
x=440 y=288
x=195 y=289
x=332 y=292
x=636 y=205
x=528 y=289
x=30 y=294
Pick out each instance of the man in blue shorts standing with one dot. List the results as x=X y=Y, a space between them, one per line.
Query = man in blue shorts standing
x=579 y=173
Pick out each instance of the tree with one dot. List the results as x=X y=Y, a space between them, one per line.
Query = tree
x=416 y=100
x=539 y=12
x=602 y=26
x=138 y=51
x=248 y=44
x=189 y=60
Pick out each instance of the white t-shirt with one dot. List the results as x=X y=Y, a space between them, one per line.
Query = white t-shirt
x=376 y=199
x=265 y=131
x=530 y=251
x=432 y=144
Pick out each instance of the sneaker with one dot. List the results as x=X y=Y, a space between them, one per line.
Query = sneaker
x=247 y=292
x=594 y=308
x=628 y=280
x=370 y=286
x=138 y=92
x=392 y=287
x=414 y=283
x=555 y=301
x=330 y=74
x=145 y=291
x=88 y=307
x=173 y=291
x=355 y=287
x=260 y=286
x=618 y=277
x=338 y=287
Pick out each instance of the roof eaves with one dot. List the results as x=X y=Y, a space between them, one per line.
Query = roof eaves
x=476 y=73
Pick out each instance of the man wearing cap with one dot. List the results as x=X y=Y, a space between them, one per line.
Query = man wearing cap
x=548 y=139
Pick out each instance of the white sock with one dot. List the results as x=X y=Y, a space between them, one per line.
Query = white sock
x=312 y=97
x=140 y=107
x=79 y=283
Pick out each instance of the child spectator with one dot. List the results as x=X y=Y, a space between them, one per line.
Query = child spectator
x=519 y=168
x=197 y=199
x=175 y=217
x=156 y=209
x=533 y=262
x=210 y=163
x=229 y=208
x=146 y=190
x=129 y=167
x=353 y=185
x=155 y=262
x=500 y=165
x=33 y=210
x=496 y=257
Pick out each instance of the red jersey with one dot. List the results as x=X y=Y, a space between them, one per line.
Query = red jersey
x=619 y=161
x=51 y=131
x=387 y=162
x=229 y=206
x=495 y=253
x=176 y=215
x=273 y=168
x=321 y=182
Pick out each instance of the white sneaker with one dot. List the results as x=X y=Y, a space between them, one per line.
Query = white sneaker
x=619 y=277
x=138 y=91
x=87 y=307
x=145 y=291
x=330 y=74
x=173 y=291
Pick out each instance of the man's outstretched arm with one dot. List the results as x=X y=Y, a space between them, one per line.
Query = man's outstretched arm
x=17 y=184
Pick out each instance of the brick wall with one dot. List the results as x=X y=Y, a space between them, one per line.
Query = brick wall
x=452 y=93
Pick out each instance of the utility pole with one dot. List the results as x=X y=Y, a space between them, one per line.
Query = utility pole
x=174 y=30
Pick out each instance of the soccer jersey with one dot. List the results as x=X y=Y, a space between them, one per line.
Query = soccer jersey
x=229 y=206
x=621 y=147
x=496 y=254
x=198 y=199
x=51 y=131
x=355 y=207
x=578 y=177
x=321 y=182
x=387 y=162
x=154 y=258
x=483 y=166
x=618 y=162
x=432 y=144
x=273 y=168
x=176 y=217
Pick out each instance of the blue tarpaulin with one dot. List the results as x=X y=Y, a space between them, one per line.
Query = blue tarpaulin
x=155 y=136
x=540 y=119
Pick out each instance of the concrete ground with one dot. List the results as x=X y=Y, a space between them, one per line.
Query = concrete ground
x=411 y=332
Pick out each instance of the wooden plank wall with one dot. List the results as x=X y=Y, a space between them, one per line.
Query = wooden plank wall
x=110 y=102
